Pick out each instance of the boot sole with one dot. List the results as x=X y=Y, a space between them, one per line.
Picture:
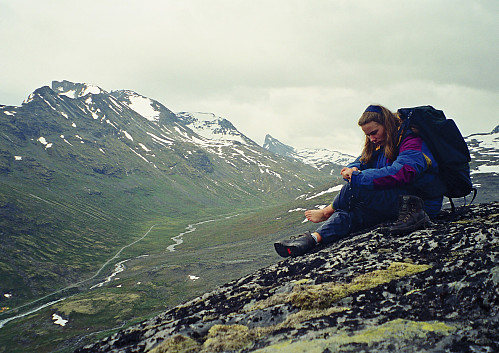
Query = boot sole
x=420 y=225
x=283 y=251
x=289 y=250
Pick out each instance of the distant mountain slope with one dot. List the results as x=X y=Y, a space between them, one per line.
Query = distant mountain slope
x=81 y=168
x=211 y=127
x=321 y=158
x=122 y=131
x=484 y=151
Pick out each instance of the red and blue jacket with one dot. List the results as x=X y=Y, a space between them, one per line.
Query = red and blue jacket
x=415 y=170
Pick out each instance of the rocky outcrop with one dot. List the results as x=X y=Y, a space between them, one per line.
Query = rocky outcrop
x=434 y=290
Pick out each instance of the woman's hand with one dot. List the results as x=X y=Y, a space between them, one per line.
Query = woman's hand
x=346 y=173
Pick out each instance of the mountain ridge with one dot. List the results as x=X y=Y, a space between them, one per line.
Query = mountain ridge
x=320 y=158
x=82 y=169
x=166 y=129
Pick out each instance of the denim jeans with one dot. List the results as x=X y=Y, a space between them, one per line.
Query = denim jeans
x=359 y=209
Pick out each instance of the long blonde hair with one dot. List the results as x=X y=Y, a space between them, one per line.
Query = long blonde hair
x=390 y=122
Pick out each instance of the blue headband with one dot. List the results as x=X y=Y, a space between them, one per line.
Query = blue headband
x=373 y=108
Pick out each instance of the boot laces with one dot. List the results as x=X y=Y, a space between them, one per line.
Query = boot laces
x=294 y=237
x=405 y=213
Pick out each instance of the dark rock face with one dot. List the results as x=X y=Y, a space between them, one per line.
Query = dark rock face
x=434 y=290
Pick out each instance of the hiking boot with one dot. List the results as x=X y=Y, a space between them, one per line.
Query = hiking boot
x=411 y=215
x=296 y=246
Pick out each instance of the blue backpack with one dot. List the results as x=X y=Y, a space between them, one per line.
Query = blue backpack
x=447 y=145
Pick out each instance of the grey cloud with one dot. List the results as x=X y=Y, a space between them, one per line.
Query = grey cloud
x=267 y=66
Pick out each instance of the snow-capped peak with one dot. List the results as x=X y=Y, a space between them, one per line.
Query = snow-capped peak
x=211 y=127
x=319 y=158
x=75 y=90
x=274 y=145
x=144 y=106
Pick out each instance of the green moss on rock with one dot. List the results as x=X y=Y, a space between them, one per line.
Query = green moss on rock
x=177 y=344
x=320 y=296
x=223 y=338
x=395 y=332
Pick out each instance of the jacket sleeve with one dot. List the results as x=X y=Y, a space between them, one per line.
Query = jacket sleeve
x=410 y=163
x=360 y=165
x=355 y=163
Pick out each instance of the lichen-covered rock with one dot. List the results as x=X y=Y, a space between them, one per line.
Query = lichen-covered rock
x=434 y=290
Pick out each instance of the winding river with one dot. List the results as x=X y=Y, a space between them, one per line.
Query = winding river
x=118 y=267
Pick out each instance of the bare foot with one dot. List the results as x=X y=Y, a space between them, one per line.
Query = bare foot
x=321 y=215
x=316 y=216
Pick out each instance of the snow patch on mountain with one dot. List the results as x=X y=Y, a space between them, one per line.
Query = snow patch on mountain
x=161 y=140
x=485 y=144
x=494 y=169
x=328 y=191
x=310 y=196
x=59 y=320
x=142 y=105
x=90 y=89
x=211 y=127
x=484 y=151
x=319 y=158
x=73 y=91
x=44 y=142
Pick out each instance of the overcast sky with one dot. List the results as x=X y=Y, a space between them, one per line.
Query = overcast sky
x=300 y=70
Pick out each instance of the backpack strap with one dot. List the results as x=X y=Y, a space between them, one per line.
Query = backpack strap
x=465 y=207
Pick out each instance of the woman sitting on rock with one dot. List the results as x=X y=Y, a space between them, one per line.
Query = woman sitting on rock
x=395 y=170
